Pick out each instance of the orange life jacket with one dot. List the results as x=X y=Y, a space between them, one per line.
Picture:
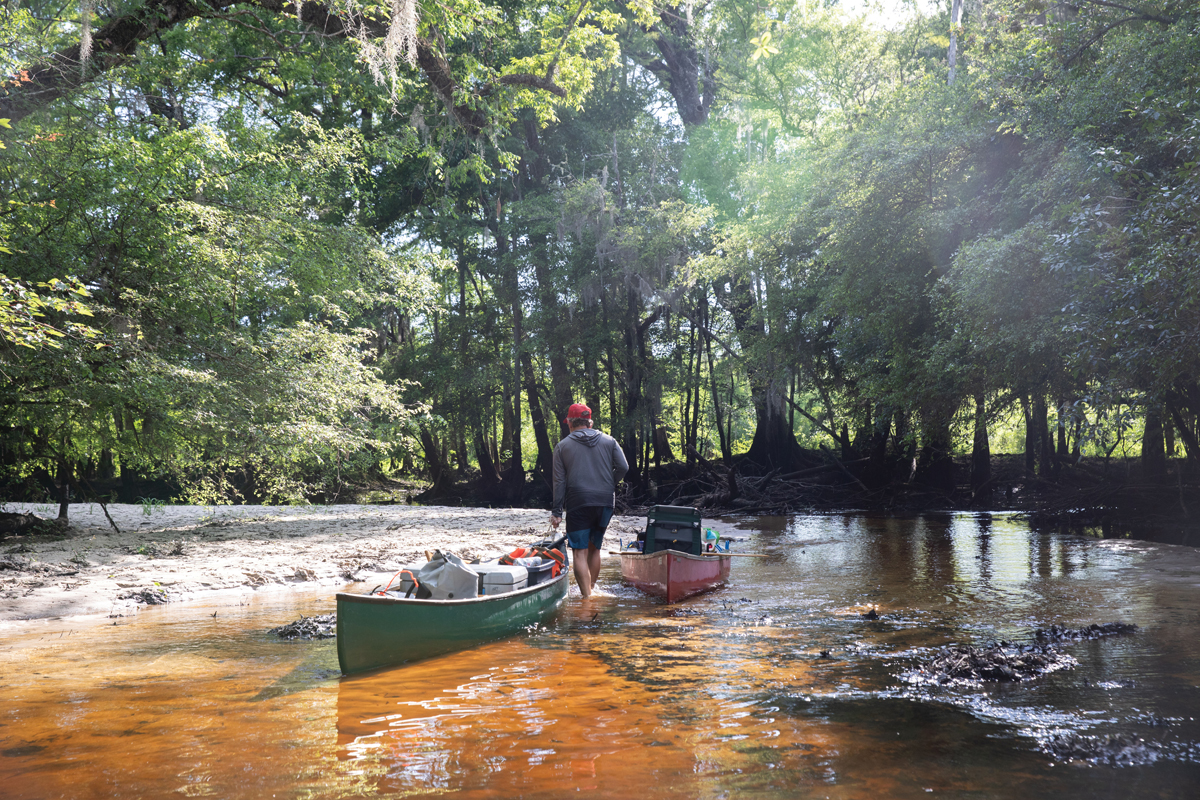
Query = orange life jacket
x=541 y=552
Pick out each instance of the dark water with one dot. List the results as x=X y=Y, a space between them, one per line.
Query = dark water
x=725 y=695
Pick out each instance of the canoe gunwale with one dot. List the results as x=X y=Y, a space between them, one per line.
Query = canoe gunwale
x=358 y=597
x=679 y=553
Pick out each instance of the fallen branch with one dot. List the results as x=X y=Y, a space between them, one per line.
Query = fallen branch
x=103 y=505
x=842 y=467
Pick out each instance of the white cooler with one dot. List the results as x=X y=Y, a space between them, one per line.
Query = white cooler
x=501 y=578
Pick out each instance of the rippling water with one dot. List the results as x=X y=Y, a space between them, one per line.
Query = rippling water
x=775 y=686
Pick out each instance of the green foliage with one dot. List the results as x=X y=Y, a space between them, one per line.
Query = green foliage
x=1096 y=239
x=231 y=358
x=305 y=256
x=23 y=312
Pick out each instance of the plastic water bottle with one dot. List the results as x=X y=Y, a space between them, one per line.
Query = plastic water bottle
x=711 y=539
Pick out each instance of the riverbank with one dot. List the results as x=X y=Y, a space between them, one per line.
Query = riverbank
x=177 y=553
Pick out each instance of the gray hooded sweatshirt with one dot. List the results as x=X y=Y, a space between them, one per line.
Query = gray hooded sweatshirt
x=588 y=465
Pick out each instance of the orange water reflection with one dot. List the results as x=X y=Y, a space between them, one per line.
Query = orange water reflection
x=552 y=720
x=172 y=703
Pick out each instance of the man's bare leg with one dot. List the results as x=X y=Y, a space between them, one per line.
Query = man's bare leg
x=583 y=573
x=593 y=562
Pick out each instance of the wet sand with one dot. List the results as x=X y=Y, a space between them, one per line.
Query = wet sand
x=183 y=552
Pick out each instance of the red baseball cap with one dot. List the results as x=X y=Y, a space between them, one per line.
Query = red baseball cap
x=577 y=411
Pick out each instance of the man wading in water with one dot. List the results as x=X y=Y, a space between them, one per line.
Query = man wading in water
x=588 y=465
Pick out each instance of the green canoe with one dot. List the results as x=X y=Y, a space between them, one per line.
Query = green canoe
x=379 y=631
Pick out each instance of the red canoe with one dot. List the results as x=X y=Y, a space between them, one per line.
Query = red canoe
x=674 y=574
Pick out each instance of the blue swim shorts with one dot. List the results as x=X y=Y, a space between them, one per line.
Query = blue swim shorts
x=586 y=526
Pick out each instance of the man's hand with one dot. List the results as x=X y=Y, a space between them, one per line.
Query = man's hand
x=554 y=521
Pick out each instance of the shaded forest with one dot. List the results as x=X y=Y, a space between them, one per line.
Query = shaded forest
x=792 y=255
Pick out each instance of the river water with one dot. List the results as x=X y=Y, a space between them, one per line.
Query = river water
x=775 y=686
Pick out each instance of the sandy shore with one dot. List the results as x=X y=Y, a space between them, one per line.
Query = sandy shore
x=180 y=552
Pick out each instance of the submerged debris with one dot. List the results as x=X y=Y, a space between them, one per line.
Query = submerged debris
x=1056 y=633
x=1006 y=661
x=1000 y=662
x=322 y=626
x=151 y=596
x=1119 y=750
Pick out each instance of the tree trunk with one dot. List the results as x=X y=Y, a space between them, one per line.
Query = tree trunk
x=630 y=442
x=698 y=383
x=877 y=473
x=729 y=419
x=906 y=445
x=439 y=475
x=683 y=70
x=514 y=473
x=685 y=404
x=489 y=475
x=662 y=445
x=517 y=464
x=506 y=427
x=1154 y=454
x=774 y=446
x=981 y=451
x=65 y=478
x=726 y=456
x=460 y=452
x=935 y=466
x=1191 y=446
x=955 y=21
x=792 y=402
x=1047 y=463
x=595 y=397
x=1062 y=452
x=1031 y=437
x=107 y=468
x=541 y=435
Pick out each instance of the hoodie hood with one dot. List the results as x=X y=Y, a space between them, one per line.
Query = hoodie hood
x=588 y=436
